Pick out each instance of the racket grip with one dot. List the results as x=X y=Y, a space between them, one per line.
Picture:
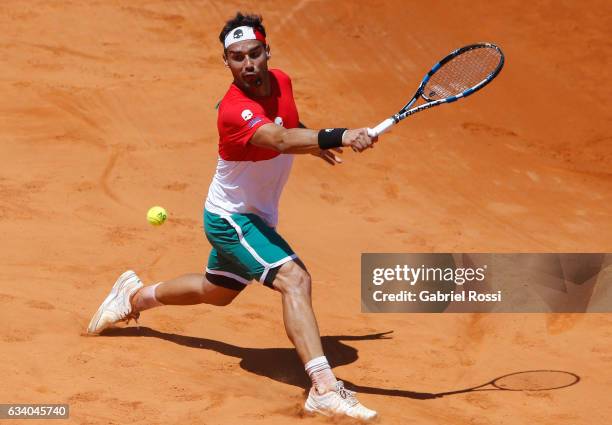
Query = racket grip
x=381 y=128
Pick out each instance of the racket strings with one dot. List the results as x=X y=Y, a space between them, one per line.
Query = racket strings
x=462 y=73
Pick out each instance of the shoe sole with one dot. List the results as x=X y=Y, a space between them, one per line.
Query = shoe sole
x=313 y=410
x=124 y=280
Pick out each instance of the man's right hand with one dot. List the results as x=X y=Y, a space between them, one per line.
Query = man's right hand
x=358 y=139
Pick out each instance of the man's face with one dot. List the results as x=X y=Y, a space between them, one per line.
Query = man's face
x=248 y=61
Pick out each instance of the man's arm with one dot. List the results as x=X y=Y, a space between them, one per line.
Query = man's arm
x=305 y=141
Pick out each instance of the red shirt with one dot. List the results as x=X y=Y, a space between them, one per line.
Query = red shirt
x=240 y=116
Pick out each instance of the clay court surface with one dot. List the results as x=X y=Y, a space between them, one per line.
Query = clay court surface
x=108 y=108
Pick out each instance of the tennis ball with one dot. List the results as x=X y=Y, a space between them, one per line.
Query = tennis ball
x=157 y=216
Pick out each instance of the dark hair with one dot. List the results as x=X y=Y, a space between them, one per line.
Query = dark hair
x=249 y=20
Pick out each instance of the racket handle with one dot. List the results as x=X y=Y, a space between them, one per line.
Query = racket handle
x=381 y=128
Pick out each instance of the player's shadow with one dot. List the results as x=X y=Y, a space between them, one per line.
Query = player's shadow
x=283 y=364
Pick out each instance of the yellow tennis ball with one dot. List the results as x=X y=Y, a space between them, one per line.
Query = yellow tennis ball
x=157 y=216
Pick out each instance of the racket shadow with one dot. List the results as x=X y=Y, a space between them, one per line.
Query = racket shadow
x=283 y=364
x=528 y=380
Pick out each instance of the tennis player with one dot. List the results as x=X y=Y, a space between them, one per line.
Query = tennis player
x=259 y=131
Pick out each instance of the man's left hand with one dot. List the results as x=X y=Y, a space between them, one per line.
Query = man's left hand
x=329 y=155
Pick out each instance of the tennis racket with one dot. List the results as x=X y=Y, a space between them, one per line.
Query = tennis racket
x=460 y=74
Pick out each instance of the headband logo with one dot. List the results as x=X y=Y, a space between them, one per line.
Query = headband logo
x=243 y=33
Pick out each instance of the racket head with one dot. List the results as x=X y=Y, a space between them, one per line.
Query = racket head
x=536 y=380
x=462 y=72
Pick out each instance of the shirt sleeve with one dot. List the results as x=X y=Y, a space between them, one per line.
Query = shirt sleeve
x=239 y=120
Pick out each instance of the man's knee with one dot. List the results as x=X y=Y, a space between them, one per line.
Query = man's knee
x=220 y=290
x=292 y=278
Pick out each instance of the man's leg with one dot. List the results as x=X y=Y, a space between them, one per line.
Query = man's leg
x=222 y=283
x=293 y=282
x=328 y=396
x=187 y=289
x=128 y=297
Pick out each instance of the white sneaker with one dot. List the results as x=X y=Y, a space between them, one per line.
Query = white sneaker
x=116 y=307
x=339 y=401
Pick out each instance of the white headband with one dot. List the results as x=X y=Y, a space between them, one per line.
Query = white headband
x=243 y=33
